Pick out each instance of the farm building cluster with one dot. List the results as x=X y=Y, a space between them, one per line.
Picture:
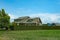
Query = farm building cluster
x=28 y=21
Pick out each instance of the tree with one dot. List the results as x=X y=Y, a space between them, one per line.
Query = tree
x=0 y=13
x=3 y=12
x=4 y=19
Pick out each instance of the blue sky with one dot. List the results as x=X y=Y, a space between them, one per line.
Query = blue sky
x=47 y=10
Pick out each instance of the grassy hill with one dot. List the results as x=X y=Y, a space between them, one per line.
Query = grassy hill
x=30 y=35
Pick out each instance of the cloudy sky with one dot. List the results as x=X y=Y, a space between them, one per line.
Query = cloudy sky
x=47 y=10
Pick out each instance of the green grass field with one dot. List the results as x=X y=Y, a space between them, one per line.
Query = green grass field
x=30 y=35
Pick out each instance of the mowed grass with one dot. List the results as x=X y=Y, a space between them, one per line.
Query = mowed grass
x=30 y=35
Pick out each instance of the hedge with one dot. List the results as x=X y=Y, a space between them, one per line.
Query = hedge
x=36 y=27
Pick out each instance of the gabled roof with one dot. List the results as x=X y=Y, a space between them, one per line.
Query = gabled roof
x=23 y=17
x=27 y=19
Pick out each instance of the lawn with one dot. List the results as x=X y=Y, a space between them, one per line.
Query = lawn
x=30 y=35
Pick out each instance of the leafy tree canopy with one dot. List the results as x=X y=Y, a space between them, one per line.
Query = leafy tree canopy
x=4 y=19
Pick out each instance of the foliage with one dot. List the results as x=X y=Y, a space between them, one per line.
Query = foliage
x=4 y=19
x=43 y=27
x=12 y=25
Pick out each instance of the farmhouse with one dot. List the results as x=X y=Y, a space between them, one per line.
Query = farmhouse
x=27 y=21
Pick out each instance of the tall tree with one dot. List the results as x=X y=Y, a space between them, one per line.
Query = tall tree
x=3 y=12
x=4 y=19
x=0 y=13
x=0 y=18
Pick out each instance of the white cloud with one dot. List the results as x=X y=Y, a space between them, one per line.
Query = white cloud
x=12 y=17
x=45 y=17
x=48 y=17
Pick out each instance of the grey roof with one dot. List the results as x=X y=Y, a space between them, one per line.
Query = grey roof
x=27 y=19
x=24 y=17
